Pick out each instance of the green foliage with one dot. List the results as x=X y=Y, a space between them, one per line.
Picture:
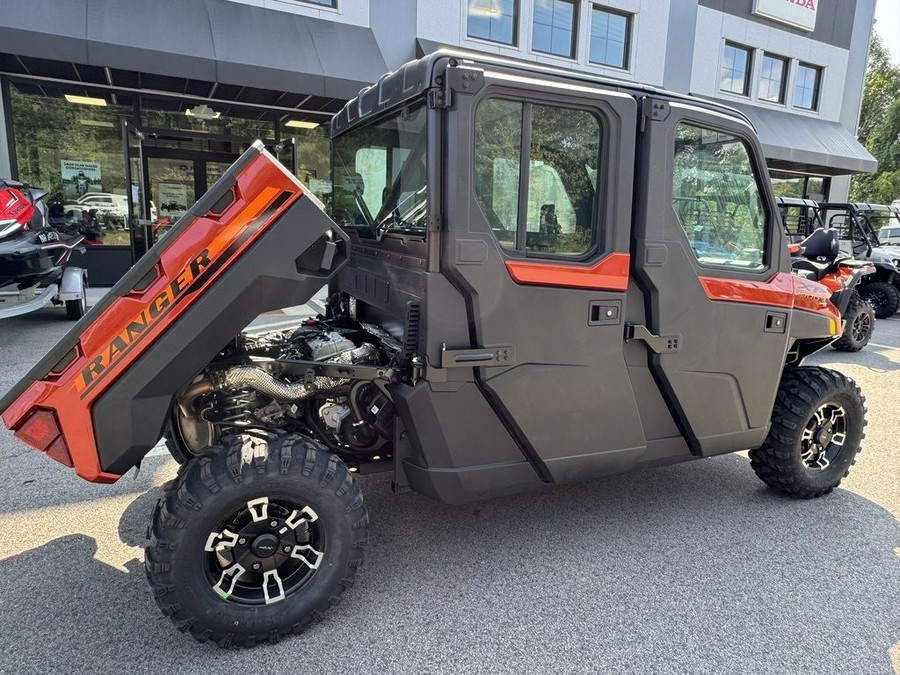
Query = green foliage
x=879 y=128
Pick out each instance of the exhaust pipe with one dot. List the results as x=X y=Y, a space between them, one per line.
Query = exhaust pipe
x=254 y=377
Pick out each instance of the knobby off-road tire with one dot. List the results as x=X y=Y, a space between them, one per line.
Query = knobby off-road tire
x=249 y=503
x=801 y=457
x=859 y=324
x=884 y=298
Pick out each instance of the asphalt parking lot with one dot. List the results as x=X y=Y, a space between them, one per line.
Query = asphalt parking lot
x=695 y=568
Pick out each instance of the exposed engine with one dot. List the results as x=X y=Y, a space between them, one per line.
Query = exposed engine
x=257 y=384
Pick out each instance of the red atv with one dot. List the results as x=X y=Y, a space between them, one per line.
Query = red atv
x=818 y=258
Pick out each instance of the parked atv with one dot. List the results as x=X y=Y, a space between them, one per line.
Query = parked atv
x=818 y=258
x=855 y=225
x=515 y=302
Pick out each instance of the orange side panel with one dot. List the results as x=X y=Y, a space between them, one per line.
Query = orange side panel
x=610 y=273
x=785 y=290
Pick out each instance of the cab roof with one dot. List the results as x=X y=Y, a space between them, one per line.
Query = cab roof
x=416 y=77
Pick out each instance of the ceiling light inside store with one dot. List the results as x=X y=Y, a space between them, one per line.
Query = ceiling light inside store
x=301 y=124
x=85 y=100
x=97 y=123
x=203 y=112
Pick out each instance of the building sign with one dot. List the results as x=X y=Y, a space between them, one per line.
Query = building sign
x=79 y=177
x=797 y=13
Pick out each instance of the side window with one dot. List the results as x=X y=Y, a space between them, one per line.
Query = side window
x=715 y=194
x=557 y=214
x=498 y=152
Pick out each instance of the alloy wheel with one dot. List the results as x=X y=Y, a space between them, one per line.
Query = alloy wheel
x=264 y=552
x=823 y=437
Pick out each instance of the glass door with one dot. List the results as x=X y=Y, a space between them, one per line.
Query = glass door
x=172 y=191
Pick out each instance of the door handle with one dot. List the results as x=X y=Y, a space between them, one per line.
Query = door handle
x=660 y=344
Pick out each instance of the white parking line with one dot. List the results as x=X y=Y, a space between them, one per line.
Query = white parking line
x=875 y=344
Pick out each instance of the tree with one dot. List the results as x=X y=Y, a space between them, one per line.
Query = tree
x=880 y=90
x=878 y=128
x=884 y=143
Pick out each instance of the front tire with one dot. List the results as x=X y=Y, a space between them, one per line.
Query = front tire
x=818 y=423
x=859 y=324
x=884 y=298
x=255 y=539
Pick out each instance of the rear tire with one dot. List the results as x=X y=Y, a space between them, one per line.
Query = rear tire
x=254 y=540
x=884 y=298
x=859 y=324
x=818 y=423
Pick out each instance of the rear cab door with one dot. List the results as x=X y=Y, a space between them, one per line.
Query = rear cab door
x=712 y=264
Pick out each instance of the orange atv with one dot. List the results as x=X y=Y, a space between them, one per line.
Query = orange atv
x=818 y=258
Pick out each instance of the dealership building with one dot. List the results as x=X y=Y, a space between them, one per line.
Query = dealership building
x=103 y=99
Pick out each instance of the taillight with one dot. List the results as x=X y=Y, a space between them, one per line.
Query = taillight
x=41 y=432
x=60 y=452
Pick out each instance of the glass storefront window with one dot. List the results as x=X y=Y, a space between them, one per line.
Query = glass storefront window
x=313 y=148
x=73 y=148
x=205 y=119
x=74 y=151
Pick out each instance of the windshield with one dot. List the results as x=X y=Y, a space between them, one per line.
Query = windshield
x=379 y=175
x=878 y=220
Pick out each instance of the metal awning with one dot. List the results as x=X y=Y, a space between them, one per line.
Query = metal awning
x=213 y=40
x=795 y=142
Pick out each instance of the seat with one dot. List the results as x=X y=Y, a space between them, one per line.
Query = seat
x=820 y=251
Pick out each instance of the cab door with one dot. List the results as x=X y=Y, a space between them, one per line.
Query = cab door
x=711 y=262
x=538 y=202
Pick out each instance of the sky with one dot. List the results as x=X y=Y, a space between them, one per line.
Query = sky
x=887 y=25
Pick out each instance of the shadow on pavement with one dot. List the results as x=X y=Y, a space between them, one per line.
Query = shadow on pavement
x=693 y=568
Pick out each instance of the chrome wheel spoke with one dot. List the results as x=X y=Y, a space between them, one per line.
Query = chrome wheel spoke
x=220 y=541
x=304 y=552
x=229 y=576
x=839 y=438
x=297 y=518
x=271 y=577
x=259 y=508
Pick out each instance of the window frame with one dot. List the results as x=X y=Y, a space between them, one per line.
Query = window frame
x=770 y=211
x=599 y=235
x=330 y=4
x=629 y=29
x=785 y=76
x=817 y=86
x=573 y=42
x=748 y=75
x=517 y=7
